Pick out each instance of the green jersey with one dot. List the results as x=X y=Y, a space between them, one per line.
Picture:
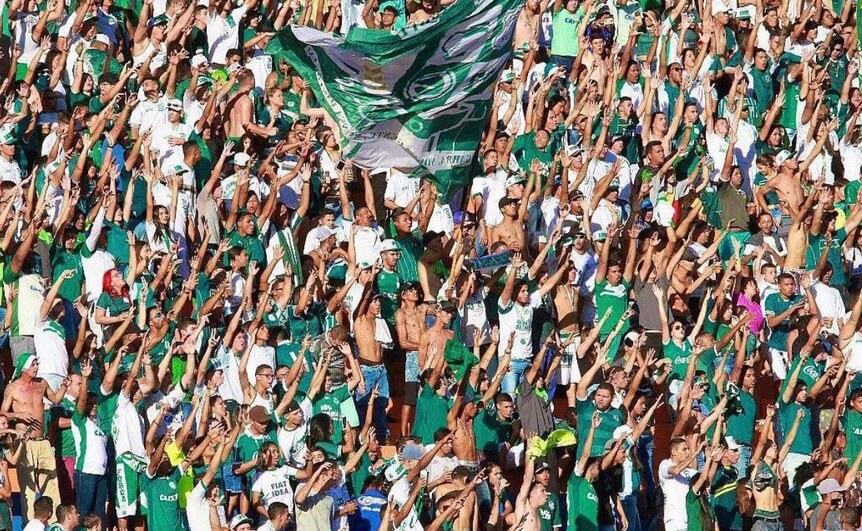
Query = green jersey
x=803 y=443
x=852 y=423
x=431 y=412
x=163 y=507
x=330 y=403
x=583 y=504
x=612 y=418
x=613 y=298
x=776 y=304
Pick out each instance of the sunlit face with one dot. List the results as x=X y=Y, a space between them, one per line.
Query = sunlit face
x=602 y=399
x=614 y=274
x=787 y=286
x=506 y=410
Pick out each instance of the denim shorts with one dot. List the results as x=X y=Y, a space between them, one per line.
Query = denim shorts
x=232 y=482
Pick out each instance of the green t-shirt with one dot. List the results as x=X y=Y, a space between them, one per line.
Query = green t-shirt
x=615 y=298
x=612 y=418
x=387 y=284
x=65 y=409
x=113 y=307
x=740 y=425
x=525 y=152
x=431 y=412
x=565 y=28
x=61 y=261
x=248 y=446
x=330 y=403
x=724 y=498
x=679 y=357
x=549 y=514
x=817 y=245
x=776 y=304
x=163 y=501
x=490 y=431
x=802 y=444
x=852 y=423
x=583 y=504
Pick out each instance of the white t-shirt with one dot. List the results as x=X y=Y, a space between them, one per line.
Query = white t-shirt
x=50 y=343
x=399 y=494
x=274 y=486
x=223 y=34
x=149 y=114
x=198 y=509
x=260 y=355
x=675 y=488
x=830 y=304
x=517 y=319
x=128 y=428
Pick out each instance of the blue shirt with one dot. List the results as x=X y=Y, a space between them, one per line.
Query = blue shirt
x=368 y=517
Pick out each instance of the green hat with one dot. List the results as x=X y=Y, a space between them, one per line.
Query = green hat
x=25 y=361
x=7 y=138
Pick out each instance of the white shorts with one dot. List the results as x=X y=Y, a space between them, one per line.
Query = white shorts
x=779 y=363
x=570 y=372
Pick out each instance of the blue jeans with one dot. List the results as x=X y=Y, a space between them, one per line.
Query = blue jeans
x=517 y=368
x=630 y=507
x=91 y=493
x=744 y=460
x=374 y=375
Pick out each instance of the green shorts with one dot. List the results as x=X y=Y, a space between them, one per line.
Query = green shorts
x=129 y=469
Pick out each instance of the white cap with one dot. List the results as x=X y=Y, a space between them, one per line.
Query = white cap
x=199 y=60
x=175 y=104
x=781 y=157
x=718 y=6
x=514 y=179
x=731 y=443
x=322 y=232
x=101 y=37
x=241 y=159
x=389 y=245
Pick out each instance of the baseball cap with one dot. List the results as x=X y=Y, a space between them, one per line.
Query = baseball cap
x=507 y=76
x=292 y=406
x=238 y=520
x=241 y=159
x=322 y=232
x=731 y=443
x=830 y=485
x=389 y=245
x=175 y=104
x=574 y=151
x=782 y=157
x=158 y=21
x=259 y=414
x=540 y=465
x=412 y=451
x=514 y=179
x=101 y=37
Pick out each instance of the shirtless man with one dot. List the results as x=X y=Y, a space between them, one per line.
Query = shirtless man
x=787 y=180
x=526 y=35
x=240 y=110
x=797 y=238
x=369 y=329
x=460 y=423
x=23 y=402
x=433 y=340
x=531 y=496
x=511 y=230
x=410 y=326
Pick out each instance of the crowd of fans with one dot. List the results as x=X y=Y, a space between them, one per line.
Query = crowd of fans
x=641 y=313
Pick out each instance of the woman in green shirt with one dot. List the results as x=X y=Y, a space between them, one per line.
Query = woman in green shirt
x=114 y=302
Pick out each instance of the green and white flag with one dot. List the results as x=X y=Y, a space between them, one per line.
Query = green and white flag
x=416 y=99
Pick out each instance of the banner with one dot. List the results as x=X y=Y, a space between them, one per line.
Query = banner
x=416 y=99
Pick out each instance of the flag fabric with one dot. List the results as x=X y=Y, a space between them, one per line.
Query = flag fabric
x=416 y=99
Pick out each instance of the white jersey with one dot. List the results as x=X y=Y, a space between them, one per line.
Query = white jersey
x=274 y=486
x=128 y=428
